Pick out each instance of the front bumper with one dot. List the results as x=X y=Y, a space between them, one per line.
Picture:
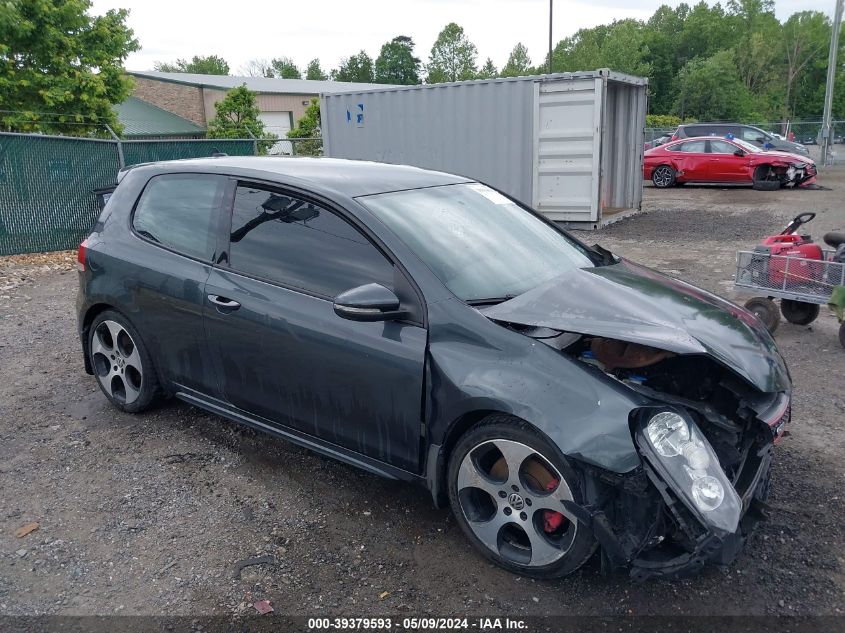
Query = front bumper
x=660 y=557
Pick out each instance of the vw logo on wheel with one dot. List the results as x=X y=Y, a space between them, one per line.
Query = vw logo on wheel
x=517 y=503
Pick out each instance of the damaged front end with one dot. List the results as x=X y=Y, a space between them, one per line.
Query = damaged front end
x=714 y=394
x=705 y=440
x=794 y=173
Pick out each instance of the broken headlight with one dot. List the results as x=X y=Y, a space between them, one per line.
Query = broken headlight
x=677 y=450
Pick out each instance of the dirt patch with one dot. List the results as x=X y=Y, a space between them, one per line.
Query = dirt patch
x=151 y=514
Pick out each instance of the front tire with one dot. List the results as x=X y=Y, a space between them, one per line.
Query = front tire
x=663 y=177
x=765 y=179
x=122 y=366
x=506 y=483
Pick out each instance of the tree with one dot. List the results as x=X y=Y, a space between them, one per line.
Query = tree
x=620 y=45
x=56 y=58
x=396 y=63
x=210 y=65
x=452 y=56
x=711 y=89
x=624 y=49
x=488 y=70
x=257 y=68
x=314 y=71
x=309 y=127
x=518 y=63
x=284 y=68
x=806 y=38
x=356 y=68
x=237 y=116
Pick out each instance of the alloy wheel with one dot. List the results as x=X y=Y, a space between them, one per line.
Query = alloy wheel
x=117 y=363
x=511 y=497
x=662 y=176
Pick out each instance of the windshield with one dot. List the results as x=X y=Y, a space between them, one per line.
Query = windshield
x=481 y=245
x=748 y=147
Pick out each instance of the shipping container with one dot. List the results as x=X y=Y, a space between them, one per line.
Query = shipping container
x=570 y=144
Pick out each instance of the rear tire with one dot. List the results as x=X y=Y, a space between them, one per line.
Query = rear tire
x=765 y=310
x=122 y=366
x=663 y=176
x=799 y=312
x=506 y=483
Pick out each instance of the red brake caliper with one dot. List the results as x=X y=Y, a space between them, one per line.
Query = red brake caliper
x=552 y=520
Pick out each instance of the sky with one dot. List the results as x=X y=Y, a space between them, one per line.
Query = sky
x=332 y=29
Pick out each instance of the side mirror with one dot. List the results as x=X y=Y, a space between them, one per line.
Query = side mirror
x=370 y=302
x=739 y=153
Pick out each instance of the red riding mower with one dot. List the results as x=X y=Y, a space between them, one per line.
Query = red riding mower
x=799 y=272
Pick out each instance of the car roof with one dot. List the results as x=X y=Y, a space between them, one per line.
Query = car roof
x=351 y=178
x=714 y=125
x=709 y=137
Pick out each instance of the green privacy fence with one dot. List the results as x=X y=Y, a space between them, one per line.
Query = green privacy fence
x=47 y=183
x=135 y=152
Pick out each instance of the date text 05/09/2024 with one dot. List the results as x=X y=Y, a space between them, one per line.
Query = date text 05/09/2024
x=417 y=624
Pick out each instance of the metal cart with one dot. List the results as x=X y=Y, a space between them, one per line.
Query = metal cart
x=801 y=284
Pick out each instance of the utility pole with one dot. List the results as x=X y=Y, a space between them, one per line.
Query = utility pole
x=826 y=133
x=550 y=35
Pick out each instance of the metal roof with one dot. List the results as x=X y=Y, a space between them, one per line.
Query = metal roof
x=350 y=178
x=610 y=75
x=140 y=118
x=260 y=84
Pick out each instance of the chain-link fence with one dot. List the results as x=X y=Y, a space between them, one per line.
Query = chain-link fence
x=135 y=152
x=47 y=183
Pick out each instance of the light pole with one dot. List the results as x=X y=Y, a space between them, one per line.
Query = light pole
x=826 y=133
x=550 y=36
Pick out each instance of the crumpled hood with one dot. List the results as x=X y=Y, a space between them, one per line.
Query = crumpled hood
x=633 y=303
x=795 y=158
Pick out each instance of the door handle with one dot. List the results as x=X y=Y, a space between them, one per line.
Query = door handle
x=223 y=302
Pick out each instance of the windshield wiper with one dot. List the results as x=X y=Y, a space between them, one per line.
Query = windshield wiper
x=491 y=301
x=148 y=235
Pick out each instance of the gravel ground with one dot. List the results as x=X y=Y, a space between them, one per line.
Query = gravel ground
x=150 y=514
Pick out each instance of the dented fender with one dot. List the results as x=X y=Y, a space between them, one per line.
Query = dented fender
x=483 y=366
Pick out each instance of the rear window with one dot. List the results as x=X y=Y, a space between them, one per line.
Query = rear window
x=179 y=211
x=695 y=147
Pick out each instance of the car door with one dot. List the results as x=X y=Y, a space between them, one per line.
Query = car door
x=284 y=354
x=690 y=158
x=163 y=270
x=725 y=165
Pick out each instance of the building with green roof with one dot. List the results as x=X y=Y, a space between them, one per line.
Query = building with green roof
x=143 y=120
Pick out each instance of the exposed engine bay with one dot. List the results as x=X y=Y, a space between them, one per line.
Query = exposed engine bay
x=640 y=519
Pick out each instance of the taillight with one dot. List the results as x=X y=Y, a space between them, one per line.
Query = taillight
x=80 y=256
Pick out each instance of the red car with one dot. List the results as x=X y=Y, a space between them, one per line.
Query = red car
x=725 y=160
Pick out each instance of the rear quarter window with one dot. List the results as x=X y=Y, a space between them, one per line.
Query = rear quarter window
x=179 y=212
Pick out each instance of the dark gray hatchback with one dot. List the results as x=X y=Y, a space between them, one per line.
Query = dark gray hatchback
x=427 y=328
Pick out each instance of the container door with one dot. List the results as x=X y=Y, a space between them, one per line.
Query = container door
x=567 y=149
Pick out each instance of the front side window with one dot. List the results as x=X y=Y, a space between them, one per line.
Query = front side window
x=179 y=211
x=297 y=243
x=480 y=244
x=722 y=147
